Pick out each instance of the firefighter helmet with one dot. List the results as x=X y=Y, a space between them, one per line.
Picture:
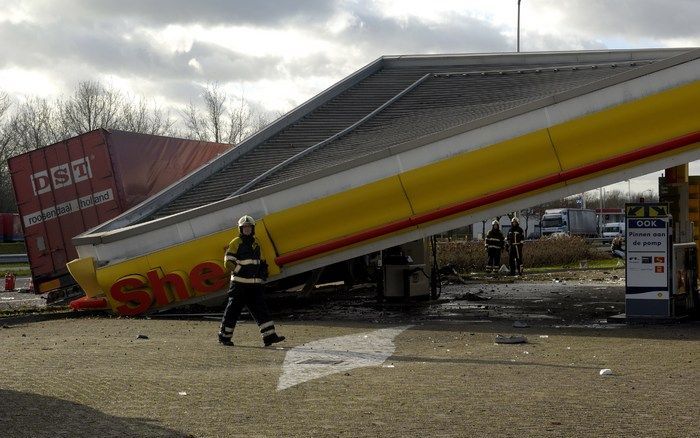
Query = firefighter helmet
x=514 y=220
x=246 y=220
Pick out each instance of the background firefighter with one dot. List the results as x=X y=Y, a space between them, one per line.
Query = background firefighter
x=494 y=244
x=515 y=247
x=248 y=272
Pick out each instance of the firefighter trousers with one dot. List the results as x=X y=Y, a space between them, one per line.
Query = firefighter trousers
x=515 y=258
x=494 y=259
x=251 y=296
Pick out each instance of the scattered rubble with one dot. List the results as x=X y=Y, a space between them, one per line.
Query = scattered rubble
x=511 y=339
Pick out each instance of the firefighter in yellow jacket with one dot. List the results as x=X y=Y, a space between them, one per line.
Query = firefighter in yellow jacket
x=248 y=272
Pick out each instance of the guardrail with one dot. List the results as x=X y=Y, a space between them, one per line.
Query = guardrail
x=14 y=258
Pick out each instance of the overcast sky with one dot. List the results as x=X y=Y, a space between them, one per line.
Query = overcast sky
x=280 y=53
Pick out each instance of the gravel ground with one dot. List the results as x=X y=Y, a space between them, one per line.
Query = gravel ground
x=94 y=376
x=20 y=299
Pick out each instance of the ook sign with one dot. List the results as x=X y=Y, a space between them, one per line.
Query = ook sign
x=648 y=265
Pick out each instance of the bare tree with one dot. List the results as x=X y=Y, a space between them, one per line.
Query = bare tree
x=7 y=199
x=239 y=121
x=31 y=125
x=215 y=107
x=5 y=104
x=5 y=137
x=91 y=106
x=195 y=122
x=245 y=119
x=137 y=117
x=527 y=214
x=34 y=125
x=224 y=118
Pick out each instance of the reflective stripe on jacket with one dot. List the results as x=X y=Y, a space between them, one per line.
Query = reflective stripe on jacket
x=515 y=235
x=243 y=260
x=494 y=239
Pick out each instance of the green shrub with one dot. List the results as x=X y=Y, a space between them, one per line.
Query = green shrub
x=12 y=248
x=548 y=251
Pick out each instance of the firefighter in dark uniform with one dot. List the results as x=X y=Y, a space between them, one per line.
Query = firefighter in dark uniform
x=494 y=245
x=515 y=247
x=617 y=248
x=248 y=272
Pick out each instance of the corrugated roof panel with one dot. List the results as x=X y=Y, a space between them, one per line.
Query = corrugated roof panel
x=324 y=122
x=440 y=103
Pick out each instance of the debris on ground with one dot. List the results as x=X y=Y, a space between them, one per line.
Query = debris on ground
x=606 y=372
x=141 y=337
x=450 y=273
x=511 y=339
x=471 y=296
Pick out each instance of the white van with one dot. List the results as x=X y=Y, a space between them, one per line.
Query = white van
x=613 y=229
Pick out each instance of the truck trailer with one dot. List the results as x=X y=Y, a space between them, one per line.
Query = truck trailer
x=570 y=221
x=74 y=185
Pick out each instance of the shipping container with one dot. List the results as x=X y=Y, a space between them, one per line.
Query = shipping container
x=11 y=227
x=72 y=186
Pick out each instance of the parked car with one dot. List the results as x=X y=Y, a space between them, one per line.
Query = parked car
x=612 y=230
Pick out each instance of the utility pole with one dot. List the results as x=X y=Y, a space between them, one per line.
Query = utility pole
x=518 y=26
x=629 y=191
x=602 y=206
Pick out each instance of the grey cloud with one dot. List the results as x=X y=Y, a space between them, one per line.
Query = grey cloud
x=635 y=19
x=222 y=65
x=43 y=47
x=535 y=42
x=175 y=90
x=458 y=34
x=87 y=40
x=318 y=64
x=211 y=12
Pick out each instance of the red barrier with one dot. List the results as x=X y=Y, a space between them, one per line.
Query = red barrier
x=87 y=303
x=9 y=282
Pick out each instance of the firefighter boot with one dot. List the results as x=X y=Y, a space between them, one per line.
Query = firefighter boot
x=272 y=339
x=225 y=336
x=225 y=341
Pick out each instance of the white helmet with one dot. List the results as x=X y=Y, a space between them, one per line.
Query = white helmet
x=514 y=220
x=246 y=220
x=495 y=222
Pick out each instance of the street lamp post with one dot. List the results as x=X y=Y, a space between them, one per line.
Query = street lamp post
x=629 y=191
x=518 y=44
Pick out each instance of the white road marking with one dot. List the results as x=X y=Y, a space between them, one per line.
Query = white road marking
x=335 y=355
